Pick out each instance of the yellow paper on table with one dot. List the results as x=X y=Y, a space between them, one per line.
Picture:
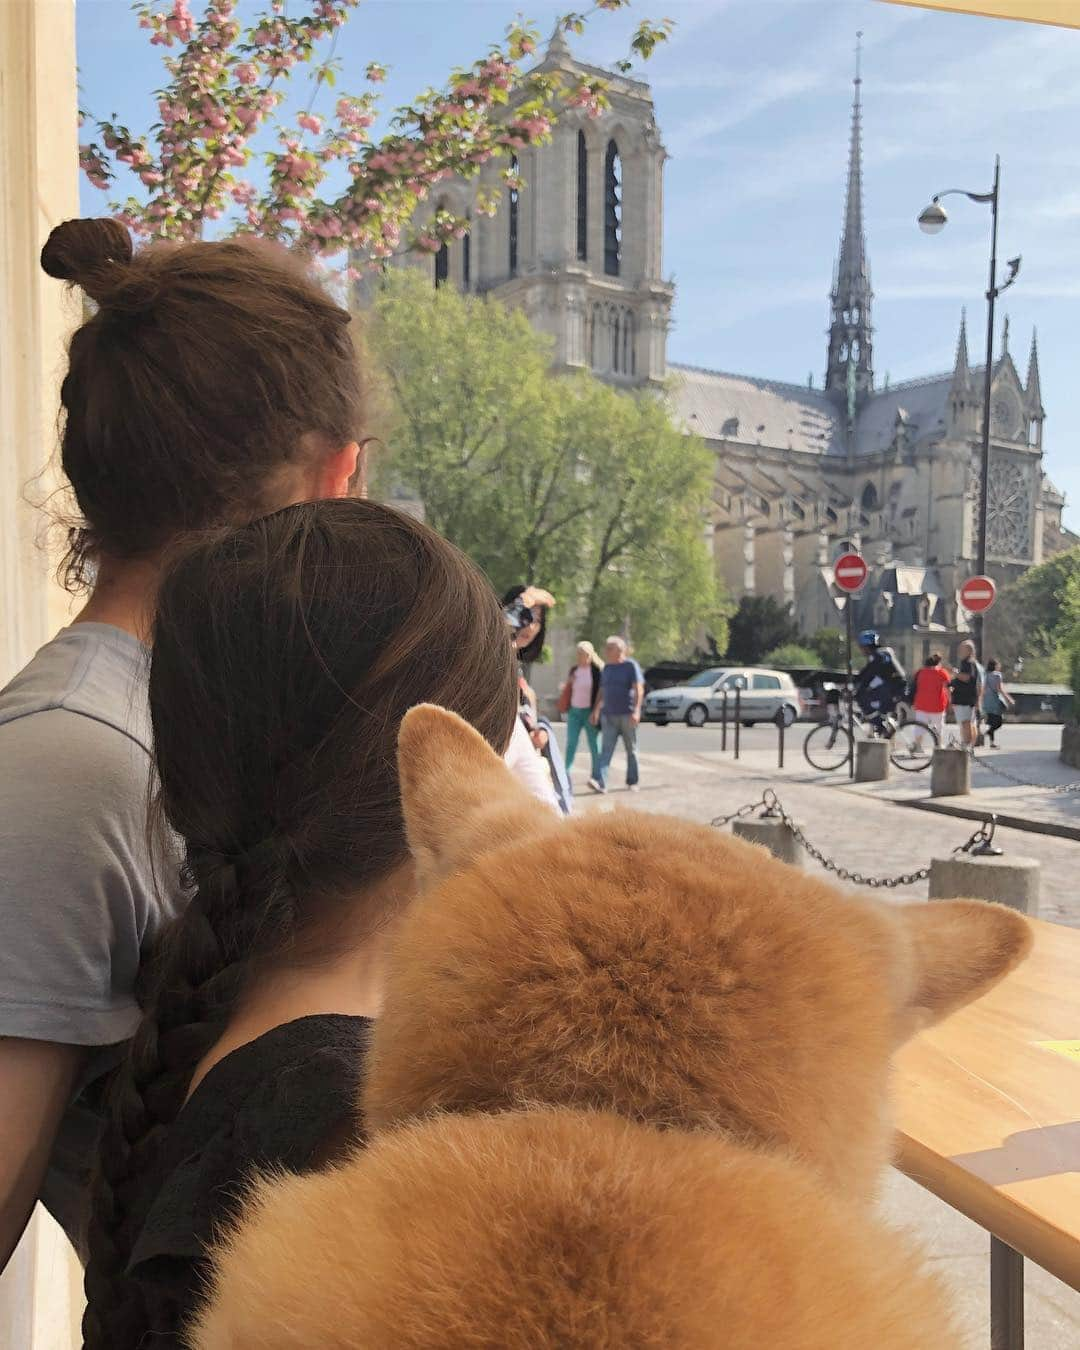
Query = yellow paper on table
x=1063 y=12
x=1070 y=1049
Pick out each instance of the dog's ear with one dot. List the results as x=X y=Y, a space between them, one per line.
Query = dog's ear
x=961 y=949
x=458 y=797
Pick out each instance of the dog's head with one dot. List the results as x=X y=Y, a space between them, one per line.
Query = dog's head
x=652 y=968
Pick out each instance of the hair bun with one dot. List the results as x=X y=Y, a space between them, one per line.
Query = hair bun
x=87 y=253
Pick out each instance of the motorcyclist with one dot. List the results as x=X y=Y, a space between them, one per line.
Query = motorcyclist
x=880 y=685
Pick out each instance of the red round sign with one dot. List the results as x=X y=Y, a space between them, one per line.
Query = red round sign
x=977 y=594
x=850 y=572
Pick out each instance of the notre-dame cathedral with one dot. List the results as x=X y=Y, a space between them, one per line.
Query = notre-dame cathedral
x=802 y=472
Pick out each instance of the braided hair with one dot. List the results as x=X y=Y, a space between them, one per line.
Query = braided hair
x=286 y=653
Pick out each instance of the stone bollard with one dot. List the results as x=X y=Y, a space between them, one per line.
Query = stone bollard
x=871 y=761
x=950 y=773
x=1011 y=881
x=773 y=834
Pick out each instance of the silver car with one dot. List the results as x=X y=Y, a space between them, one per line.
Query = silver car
x=763 y=696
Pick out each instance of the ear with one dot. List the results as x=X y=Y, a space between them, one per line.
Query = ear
x=458 y=797
x=961 y=949
x=337 y=471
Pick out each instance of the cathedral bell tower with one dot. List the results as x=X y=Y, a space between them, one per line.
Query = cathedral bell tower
x=578 y=246
x=849 y=376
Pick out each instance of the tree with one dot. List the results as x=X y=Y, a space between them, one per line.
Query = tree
x=792 y=655
x=551 y=479
x=759 y=625
x=831 y=647
x=476 y=433
x=1032 y=618
x=327 y=185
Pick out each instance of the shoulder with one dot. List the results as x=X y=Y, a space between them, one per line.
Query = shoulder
x=273 y=1105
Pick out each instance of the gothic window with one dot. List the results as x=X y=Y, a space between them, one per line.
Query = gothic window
x=442 y=264
x=595 y=322
x=869 y=498
x=513 y=221
x=612 y=210
x=629 y=356
x=613 y=326
x=582 y=197
x=466 y=257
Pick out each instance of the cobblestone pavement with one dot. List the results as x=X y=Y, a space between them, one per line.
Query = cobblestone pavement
x=875 y=835
x=864 y=831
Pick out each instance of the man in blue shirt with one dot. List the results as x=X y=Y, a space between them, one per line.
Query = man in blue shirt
x=618 y=712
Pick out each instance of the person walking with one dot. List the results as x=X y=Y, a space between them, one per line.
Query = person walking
x=618 y=712
x=995 y=700
x=966 y=690
x=931 y=701
x=581 y=690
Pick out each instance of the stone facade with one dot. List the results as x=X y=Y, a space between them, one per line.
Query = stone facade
x=802 y=472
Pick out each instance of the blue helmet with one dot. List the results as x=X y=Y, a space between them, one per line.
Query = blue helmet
x=868 y=638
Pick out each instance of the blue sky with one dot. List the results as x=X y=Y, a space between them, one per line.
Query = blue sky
x=753 y=101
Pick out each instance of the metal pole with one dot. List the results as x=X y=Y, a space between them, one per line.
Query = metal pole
x=984 y=485
x=1006 y=1296
x=780 y=723
x=850 y=703
x=723 y=723
x=738 y=719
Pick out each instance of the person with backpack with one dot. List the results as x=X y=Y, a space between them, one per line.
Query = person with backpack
x=881 y=684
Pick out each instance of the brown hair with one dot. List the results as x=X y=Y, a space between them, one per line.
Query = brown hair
x=196 y=383
x=934 y=659
x=286 y=653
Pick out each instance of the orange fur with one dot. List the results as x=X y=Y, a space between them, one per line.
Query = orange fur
x=565 y=1231
x=657 y=1064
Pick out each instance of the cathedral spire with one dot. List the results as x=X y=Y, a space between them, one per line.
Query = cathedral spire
x=1033 y=389
x=961 y=379
x=557 y=44
x=850 y=372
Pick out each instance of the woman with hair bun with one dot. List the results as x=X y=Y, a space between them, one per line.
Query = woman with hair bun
x=213 y=382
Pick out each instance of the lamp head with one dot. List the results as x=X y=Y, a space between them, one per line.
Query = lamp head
x=932 y=218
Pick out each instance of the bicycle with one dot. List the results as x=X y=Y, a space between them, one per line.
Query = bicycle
x=828 y=747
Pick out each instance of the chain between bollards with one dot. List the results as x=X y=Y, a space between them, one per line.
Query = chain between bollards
x=978 y=844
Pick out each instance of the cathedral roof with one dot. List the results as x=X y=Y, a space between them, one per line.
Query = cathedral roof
x=924 y=402
x=742 y=408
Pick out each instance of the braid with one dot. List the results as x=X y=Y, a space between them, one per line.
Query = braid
x=194 y=979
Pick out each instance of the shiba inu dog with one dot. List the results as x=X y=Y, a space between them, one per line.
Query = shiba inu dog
x=629 y=1089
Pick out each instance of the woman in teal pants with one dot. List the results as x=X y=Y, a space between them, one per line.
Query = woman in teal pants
x=584 y=683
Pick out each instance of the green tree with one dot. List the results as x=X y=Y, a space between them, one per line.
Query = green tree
x=1030 y=614
x=475 y=433
x=792 y=654
x=759 y=625
x=560 y=481
x=647 y=569
x=831 y=647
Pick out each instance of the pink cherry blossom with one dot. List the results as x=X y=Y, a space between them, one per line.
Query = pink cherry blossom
x=247 y=73
x=310 y=123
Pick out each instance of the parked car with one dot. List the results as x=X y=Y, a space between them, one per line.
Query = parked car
x=764 y=695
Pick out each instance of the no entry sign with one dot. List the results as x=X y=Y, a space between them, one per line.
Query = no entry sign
x=850 y=572
x=977 y=594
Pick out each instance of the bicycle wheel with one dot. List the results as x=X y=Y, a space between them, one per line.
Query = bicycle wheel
x=912 y=747
x=827 y=747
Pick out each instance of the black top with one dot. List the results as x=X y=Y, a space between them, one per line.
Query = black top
x=278 y=1102
x=964 y=691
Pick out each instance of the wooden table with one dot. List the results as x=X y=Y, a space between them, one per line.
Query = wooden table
x=989 y=1120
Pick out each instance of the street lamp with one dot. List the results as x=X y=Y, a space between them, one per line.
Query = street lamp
x=932 y=220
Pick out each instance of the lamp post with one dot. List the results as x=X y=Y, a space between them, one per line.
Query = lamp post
x=932 y=221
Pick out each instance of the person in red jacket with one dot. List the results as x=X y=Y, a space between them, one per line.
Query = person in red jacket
x=931 y=700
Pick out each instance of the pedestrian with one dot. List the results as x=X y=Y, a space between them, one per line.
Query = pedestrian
x=966 y=689
x=995 y=700
x=581 y=691
x=618 y=712
x=531 y=756
x=931 y=701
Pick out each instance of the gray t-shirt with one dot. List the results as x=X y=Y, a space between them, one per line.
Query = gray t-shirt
x=81 y=897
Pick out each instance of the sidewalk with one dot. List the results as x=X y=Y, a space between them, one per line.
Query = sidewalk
x=859 y=825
